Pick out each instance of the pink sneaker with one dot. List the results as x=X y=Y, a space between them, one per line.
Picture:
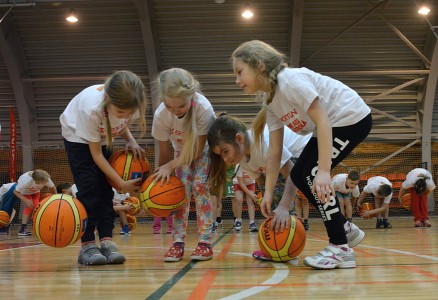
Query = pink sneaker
x=169 y=230
x=426 y=223
x=175 y=253
x=258 y=254
x=202 y=252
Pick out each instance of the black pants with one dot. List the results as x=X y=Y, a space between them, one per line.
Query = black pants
x=345 y=139
x=94 y=191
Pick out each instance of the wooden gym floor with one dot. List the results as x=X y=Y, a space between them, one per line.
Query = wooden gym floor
x=397 y=263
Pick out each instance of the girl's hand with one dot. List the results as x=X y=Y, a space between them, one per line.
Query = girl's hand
x=280 y=220
x=253 y=197
x=131 y=186
x=137 y=151
x=28 y=203
x=266 y=206
x=163 y=173
x=321 y=186
x=365 y=214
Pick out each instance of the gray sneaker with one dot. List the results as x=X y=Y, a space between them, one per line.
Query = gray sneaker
x=90 y=255
x=354 y=235
x=109 y=250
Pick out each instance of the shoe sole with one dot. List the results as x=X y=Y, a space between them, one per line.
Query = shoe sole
x=344 y=265
x=172 y=259
x=97 y=263
x=201 y=258
x=357 y=240
x=116 y=261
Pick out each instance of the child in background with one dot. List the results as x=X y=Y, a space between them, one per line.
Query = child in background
x=302 y=208
x=28 y=187
x=157 y=224
x=306 y=102
x=244 y=187
x=419 y=184
x=64 y=188
x=183 y=118
x=89 y=123
x=381 y=188
x=346 y=189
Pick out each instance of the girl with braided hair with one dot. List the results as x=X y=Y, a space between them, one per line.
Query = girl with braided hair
x=419 y=184
x=306 y=102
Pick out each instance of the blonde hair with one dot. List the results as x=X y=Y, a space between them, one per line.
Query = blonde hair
x=223 y=131
x=266 y=62
x=40 y=176
x=124 y=90
x=176 y=83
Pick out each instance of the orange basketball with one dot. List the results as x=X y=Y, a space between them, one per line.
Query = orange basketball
x=406 y=201
x=282 y=246
x=59 y=221
x=4 y=219
x=132 y=222
x=161 y=201
x=135 y=203
x=127 y=167
x=366 y=207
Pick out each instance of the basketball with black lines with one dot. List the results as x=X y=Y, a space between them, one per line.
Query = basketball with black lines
x=4 y=219
x=59 y=220
x=132 y=222
x=162 y=200
x=282 y=246
x=128 y=167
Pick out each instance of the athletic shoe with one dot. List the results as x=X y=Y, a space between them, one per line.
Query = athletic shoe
x=90 y=255
x=169 y=230
x=238 y=225
x=418 y=224
x=109 y=250
x=332 y=257
x=306 y=224
x=354 y=235
x=253 y=227
x=156 y=231
x=386 y=224
x=125 y=229
x=426 y=223
x=23 y=232
x=219 y=224
x=379 y=224
x=258 y=254
x=202 y=252
x=175 y=253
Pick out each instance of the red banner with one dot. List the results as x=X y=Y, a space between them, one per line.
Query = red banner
x=12 y=146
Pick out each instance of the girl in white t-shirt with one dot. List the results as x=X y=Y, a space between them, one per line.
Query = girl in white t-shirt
x=181 y=122
x=306 y=102
x=231 y=143
x=89 y=123
x=419 y=184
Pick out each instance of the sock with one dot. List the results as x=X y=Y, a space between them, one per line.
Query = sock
x=251 y=221
x=238 y=220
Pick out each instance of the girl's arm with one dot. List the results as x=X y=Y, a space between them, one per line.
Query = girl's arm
x=166 y=164
x=321 y=183
x=400 y=194
x=129 y=186
x=379 y=210
x=26 y=201
x=273 y=162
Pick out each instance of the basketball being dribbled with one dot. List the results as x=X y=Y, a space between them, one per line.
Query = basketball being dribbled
x=127 y=167
x=282 y=246
x=135 y=203
x=161 y=201
x=366 y=207
x=4 y=219
x=59 y=221
x=132 y=222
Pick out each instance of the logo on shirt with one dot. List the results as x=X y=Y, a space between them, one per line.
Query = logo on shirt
x=292 y=121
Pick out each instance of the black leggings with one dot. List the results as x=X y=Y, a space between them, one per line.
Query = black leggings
x=345 y=139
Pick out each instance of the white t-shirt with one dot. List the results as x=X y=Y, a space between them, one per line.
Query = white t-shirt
x=83 y=120
x=167 y=126
x=247 y=180
x=293 y=145
x=296 y=90
x=27 y=186
x=117 y=199
x=338 y=184
x=412 y=177
x=373 y=185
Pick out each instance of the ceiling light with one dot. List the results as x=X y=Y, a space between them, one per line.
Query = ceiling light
x=423 y=10
x=247 y=12
x=72 y=16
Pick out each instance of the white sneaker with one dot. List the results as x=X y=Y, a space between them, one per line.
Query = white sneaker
x=354 y=235
x=332 y=257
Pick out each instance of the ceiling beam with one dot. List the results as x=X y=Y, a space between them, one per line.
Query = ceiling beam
x=297 y=11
